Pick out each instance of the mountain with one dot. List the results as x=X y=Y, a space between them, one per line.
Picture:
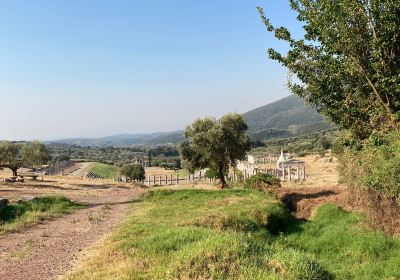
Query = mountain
x=125 y=140
x=287 y=117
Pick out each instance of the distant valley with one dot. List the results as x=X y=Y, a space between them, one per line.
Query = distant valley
x=287 y=117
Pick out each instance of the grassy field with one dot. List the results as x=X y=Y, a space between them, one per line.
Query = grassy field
x=18 y=216
x=238 y=234
x=105 y=170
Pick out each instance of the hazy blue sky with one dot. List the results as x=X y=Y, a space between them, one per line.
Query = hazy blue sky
x=93 y=68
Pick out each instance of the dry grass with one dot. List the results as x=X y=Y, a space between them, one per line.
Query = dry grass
x=73 y=187
x=320 y=172
x=158 y=171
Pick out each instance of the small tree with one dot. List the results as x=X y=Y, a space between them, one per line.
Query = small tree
x=35 y=154
x=133 y=171
x=11 y=156
x=215 y=144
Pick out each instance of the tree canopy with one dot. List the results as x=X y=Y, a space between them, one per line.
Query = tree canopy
x=348 y=62
x=35 y=154
x=11 y=156
x=15 y=155
x=215 y=144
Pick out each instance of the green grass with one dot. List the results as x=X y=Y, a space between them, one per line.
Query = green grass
x=18 y=216
x=182 y=173
x=105 y=170
x=345 y=247
x=239 y=234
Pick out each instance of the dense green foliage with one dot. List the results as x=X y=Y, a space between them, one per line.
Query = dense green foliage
x=348 y=67
x=348 y=61
x=133 y=171
x=105 y=170
x=373 y=164
x=287 y=117
x=17 y=216
x=215 y=144
x=231 y=234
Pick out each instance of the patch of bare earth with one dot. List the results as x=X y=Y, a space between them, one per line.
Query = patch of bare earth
x=321 y=187
x=49 y=249
x=302 y=201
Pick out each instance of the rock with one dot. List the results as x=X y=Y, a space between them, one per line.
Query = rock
x=3 y=203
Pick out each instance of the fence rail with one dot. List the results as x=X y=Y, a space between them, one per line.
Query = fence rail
x=57 y=168
x=168 y=180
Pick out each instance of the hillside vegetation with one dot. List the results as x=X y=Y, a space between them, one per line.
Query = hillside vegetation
x=316 y=143
x=286 y=117
x=238 y=234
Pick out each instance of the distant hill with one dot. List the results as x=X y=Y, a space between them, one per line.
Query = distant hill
x=284 y=118
x=287 y=117
x=125 y=140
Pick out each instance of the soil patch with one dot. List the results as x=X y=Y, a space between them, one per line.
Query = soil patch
x=302 y=201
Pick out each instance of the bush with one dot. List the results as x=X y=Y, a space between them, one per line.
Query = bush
x=133 y=171
x=373 y=164
x=263 y=182
x=372 y=171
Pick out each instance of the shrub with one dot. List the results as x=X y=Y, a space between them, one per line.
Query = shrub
x=263 y=182
x=371 y=169
x=133 y=171
x=373 y=164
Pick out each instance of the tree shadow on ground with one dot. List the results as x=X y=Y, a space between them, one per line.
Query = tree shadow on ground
x=291 y=200
x=131 y=201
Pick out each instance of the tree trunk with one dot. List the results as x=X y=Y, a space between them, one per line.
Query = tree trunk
x=221 y=176
x=14 y=171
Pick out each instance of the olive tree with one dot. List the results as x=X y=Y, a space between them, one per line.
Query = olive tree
x=11 y=156
x=347 y=63
x=35 y=154
x=133 y=171
x=15 y=155
x=215 y=144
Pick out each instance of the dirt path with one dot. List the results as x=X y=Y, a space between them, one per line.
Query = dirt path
x=48 y=250
x=302 y=201
x=83 y=169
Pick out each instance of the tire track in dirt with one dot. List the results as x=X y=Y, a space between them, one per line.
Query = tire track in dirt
x=48 y=250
